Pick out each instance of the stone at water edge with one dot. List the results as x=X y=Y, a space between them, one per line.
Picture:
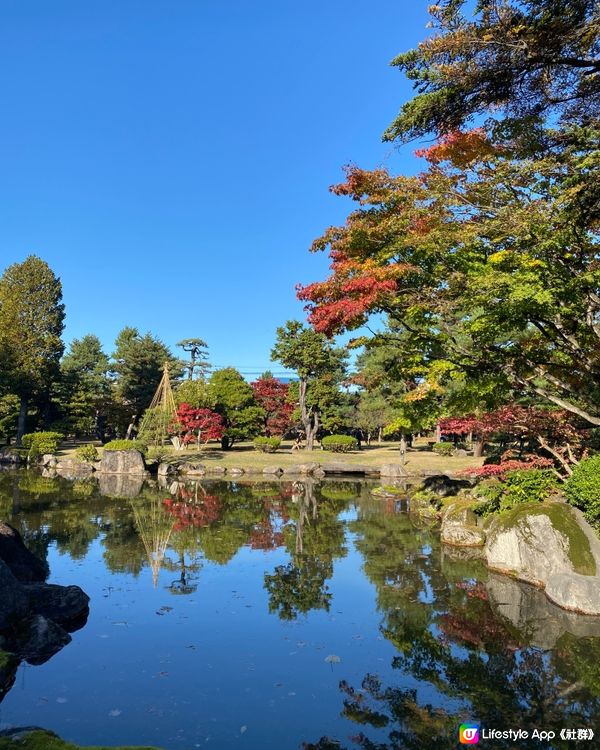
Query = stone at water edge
x=459 y=527
x=167 y=469
x=23 y=564
x=443 y=485
x=393 y=470
x=272 y=470
x=536 y=541
x=575 y=592
x=122 y=462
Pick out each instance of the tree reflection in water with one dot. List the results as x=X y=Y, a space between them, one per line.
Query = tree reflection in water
x=472 y=663
x=314 y=538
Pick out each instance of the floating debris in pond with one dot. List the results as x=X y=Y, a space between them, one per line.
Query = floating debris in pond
x=61 y=700
x=115 y=712
x=332 y=659
x=163 y=610
x=243 y=728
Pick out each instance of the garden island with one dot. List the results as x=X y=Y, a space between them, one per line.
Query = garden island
x=387 y=539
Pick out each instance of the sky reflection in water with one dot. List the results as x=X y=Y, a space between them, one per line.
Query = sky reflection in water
x=215 y=606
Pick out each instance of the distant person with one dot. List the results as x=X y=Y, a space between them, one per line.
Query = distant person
x=297 y=445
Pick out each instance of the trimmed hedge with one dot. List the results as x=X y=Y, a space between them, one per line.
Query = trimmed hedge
x=339 y=443
x=87 y=453
x=126 y=445
x=39 y=443
x=582 y=488
x=443 y=449
x=267 y=444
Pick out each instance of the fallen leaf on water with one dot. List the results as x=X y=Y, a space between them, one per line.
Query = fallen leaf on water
x=115 y=712
x=333 y=659
x=243 y=729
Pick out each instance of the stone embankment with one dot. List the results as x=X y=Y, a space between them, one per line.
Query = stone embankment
x=548 y=545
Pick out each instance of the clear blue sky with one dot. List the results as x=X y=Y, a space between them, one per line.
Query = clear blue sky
x=170 y=159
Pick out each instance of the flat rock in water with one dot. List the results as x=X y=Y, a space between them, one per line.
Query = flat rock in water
x=393 y=470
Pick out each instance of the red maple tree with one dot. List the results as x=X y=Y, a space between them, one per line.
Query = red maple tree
x=199 y=425
x=272 y=395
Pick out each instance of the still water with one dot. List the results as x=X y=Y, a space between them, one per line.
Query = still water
x=285 y=615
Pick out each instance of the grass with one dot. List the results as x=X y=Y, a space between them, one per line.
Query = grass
x=419 y=459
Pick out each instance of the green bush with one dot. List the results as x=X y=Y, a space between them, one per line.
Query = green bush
x=443 y=449
x=87 y=453
x=339 y=443
x=39 y=443
x=582 y=488
x=267 y=444
x=519 y=486
x=126 y=445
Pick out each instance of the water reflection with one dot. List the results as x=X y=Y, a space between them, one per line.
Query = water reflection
x=467 y=645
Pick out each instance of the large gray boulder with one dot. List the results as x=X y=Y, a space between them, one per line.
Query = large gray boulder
x=122 y=462
x=575 y=592
x=397 y=471
x=120 y=485
x=25 y=566
x=459 y=527
x=550 y=546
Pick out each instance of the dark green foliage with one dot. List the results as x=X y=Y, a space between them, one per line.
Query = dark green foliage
x=339 y=443
x=267 y=444
x=126 y=445
x=583 y=488
x=235 y=401
x=138 y=363
x=39 y=443
x=443 y=449
x=87 y=453
x=43 y=740
x=518 y=487
x=527 y=60
x=84 y=393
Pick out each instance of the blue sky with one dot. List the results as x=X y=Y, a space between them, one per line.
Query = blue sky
x=170 y=159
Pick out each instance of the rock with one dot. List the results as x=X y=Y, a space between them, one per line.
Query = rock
x=389 y=492
x=308 y=468
x=575 y=592
x=215 y=470
x=9 y=456
x=393 y=470
x=443 y=486
x=48 y=459
x=14 y=602
x=461 y=452
x=339 y=467
x=319 y=473
x=192 y=468
x=41 y=640
x=62 y=604
x=535 y=542
x=22 y=563
x=236 y=470
x=167 y=469
x=122 y=462
x=463 y=536
x=272 y=470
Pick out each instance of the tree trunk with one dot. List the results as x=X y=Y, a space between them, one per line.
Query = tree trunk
x=438 y=434
x=478 y=448
x=310 y=419
x=22 y=419
x=226 y=443
x=403 y=449
x=380 y=435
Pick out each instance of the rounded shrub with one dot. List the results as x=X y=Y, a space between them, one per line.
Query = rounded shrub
x=39 y=443
x=87 y=453
x=443 y=449
x=339 y=443
x=582 y=488
x=125 y=445
x=267 y=444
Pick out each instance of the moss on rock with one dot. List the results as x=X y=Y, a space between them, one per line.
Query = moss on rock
x=43 y=740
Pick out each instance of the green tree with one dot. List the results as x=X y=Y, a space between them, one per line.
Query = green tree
x=138 y=363
x=234 y=399
x=320 y=367
x=85 y=387
x=524 y=59
x=198 y=351
x=31 y=325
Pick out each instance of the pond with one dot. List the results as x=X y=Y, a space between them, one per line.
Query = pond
x=286 y=615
